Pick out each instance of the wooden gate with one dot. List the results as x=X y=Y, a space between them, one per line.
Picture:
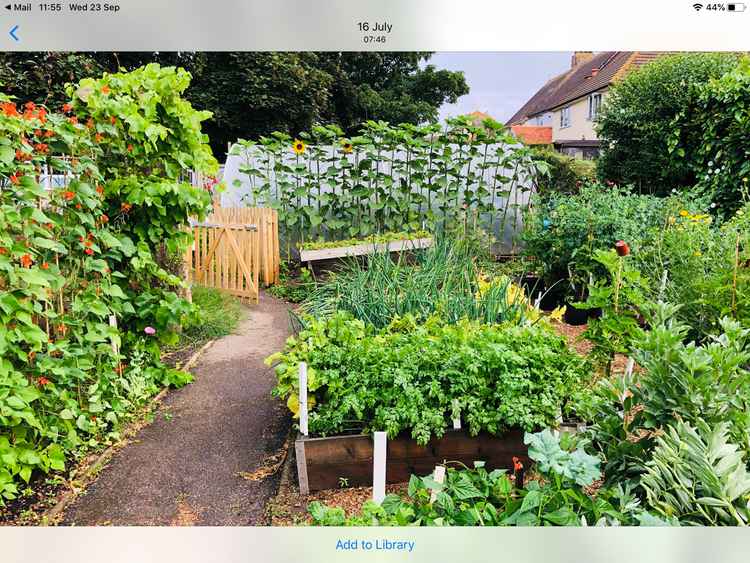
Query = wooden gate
x=235 y=250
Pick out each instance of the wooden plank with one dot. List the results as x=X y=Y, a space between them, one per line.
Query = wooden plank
x=363 y=249
x=351 y=457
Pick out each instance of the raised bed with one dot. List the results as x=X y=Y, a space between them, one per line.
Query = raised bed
x=364 y=248
x=327 y=463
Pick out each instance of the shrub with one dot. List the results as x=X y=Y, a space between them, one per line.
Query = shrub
x=711 y=137
x=406 y=377
x=563 y=232
x=566 y=175
x=637 y=121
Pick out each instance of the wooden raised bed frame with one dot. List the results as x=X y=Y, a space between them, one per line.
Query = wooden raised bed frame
x=363 y=248
x=326 y=463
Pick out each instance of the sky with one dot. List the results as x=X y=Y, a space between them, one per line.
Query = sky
x=499 y=83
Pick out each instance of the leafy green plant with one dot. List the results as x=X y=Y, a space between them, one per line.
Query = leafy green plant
x=679 y=382
x=564 y=232
x=406 y=376
x=478 y=497
x=621 y=298
x=697 y=475
x=701 y=266
x=87 y=194
x=291 y=287
x=443 y=278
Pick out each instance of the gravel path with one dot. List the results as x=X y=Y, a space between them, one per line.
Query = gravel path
x=184 y=468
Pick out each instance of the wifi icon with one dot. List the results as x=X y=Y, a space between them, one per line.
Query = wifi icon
x=698 y=7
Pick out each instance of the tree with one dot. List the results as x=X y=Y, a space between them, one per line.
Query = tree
x=255 y=94
x=636 y=124
x=388 y=87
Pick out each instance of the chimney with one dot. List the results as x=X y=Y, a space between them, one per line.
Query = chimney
x=580 y=57
x=594 y=72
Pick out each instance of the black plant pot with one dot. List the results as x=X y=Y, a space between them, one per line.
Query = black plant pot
x=576 y=317
x=552 y=298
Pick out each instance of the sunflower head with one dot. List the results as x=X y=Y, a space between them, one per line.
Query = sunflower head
x=298 y=146
x=347 y=146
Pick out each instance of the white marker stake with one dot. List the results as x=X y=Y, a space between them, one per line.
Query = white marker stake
x=457 y=420
x=629 y=367
x=113 y=323
x=380 y=440
x=439 y=476
x=303 y=398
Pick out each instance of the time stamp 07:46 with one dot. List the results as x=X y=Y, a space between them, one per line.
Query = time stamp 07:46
x=375 y=32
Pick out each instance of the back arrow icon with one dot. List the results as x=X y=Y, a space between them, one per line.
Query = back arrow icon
x=12 y=32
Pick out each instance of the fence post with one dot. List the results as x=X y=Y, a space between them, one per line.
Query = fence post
x=380 y=448
x=303 y=398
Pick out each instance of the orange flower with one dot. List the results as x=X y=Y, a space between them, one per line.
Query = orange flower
x=43 y=381
x=73 y=120
x=49 y=133
x=45 y=265
x=90 y=123
x=30 y=106
x=105 y=90
x=517 y=465
x=42 y=148
x=68 y=195
x=125 y=207
x=15 y=179
x=9 y=109
x=67 y=108
x=113 y=120
x=98 y=137
x=26 y=260
x=79 y=206
x=88 y=243
x=3 y=251
x=89 y=251
x=105 y=219
x=130 y=148
x=99 y=190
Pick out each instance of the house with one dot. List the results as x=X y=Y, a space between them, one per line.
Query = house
x=569 y=103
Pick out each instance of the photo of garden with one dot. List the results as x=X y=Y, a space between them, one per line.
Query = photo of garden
x=312 y=289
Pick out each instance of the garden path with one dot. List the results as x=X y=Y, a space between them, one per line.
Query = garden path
x=184 y=468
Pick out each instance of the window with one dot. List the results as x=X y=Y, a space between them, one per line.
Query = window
x=595 y=103
x=565 y=117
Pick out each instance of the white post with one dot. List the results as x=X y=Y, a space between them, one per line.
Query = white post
x=438 y=475
x=457 y=419
x=303 y=398
x=115 y=347
x=629 y=367
x=380 y=440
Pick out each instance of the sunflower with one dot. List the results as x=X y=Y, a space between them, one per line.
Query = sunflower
x=347 y=146
x=298 y=146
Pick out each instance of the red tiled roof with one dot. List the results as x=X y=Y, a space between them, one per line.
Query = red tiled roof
x=532 y=134
x=594 y=74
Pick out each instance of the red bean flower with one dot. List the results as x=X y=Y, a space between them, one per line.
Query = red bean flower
x=26 y=260
x=622 y=248
x=43 y=381
x=517 y=465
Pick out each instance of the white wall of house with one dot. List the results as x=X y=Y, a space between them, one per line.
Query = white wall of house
x=581 y=125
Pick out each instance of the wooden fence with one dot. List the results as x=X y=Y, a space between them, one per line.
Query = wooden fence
x=235 y=250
